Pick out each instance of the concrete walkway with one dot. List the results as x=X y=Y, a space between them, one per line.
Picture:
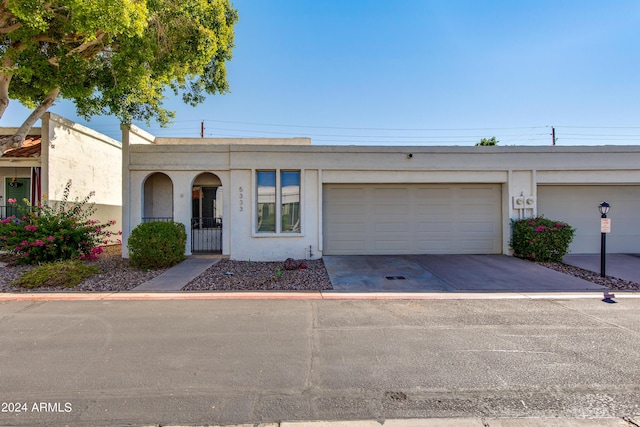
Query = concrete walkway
x=178 y=276
x=622 y=266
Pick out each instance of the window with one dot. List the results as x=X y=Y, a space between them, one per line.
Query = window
x=267 y=201
x=278 y=197
x=290 y=196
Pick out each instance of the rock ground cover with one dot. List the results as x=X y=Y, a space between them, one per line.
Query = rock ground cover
x=227 y=275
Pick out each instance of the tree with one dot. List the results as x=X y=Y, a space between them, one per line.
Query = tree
x=113 y=57
x=485 y=142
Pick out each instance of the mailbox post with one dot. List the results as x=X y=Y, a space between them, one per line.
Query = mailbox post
x=605 y=227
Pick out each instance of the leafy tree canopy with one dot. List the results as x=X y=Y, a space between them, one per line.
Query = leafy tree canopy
x=488 y=141
x=112 y=57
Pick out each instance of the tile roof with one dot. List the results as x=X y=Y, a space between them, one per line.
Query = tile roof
x=30 y=148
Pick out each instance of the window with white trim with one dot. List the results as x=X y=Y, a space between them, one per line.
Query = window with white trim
x=278 y=201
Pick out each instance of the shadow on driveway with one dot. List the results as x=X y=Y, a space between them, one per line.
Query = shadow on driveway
x=447 y=273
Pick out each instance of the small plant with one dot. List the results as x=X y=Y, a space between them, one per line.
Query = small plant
x=541 y=239
x=57 y=274
x=154 y=245
x=53 y=231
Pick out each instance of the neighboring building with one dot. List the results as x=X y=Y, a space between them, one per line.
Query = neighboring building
x=270 y=199
x=59 y=151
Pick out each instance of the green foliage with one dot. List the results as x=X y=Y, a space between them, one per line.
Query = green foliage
x=488 y=142
x=541 y=239
x=61 y=231
x=57 y=274
x=118 y=56
x=154 y=245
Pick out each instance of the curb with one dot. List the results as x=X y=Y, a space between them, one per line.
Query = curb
x=447 y=422
x=316 y=295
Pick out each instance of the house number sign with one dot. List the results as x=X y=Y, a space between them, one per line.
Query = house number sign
x=240 y=198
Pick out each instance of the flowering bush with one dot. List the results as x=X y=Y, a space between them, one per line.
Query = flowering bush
x=541 y=239
x=43 y=233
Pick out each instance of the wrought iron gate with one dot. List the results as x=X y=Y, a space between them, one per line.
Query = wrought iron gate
x=206 y=234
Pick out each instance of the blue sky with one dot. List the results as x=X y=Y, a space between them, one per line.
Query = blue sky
x=421 y=72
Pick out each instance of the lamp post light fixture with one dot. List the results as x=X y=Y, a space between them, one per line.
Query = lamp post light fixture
x=605 y=227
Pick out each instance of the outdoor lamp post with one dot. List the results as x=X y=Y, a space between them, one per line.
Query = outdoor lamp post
x=605 y=227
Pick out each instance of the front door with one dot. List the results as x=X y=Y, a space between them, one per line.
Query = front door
x=16 y=188
x=206 y=226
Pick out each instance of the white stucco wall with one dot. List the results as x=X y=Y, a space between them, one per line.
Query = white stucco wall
x=91 y=160
x=518 y=170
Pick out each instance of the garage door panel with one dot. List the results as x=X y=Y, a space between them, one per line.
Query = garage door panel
x=477 y=245
x=435 y=246
x=392 y=246
x=432 y=210
x=578 y=206
x=445 y=227
x=391 y=227
x=412 y=218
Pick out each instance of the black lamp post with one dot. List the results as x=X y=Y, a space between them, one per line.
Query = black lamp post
x=604 y=210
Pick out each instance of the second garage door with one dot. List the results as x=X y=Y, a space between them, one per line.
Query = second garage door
x=577 y=205
x=370 y=219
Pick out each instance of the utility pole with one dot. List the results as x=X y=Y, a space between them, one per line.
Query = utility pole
x=202 y=129
x=553 y=136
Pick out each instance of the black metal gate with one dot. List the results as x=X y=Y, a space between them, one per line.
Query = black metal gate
x=206 y=235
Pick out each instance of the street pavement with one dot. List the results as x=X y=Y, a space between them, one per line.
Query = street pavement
x=224 y=362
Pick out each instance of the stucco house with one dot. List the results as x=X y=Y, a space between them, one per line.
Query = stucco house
x=270 y=199
x=58 y=151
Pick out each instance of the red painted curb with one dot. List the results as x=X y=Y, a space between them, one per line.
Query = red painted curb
x=275 y=295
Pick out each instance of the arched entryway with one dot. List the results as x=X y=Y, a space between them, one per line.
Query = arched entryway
x=157 y=198
x=206 y=214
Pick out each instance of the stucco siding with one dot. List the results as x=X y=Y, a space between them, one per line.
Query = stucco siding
x=514 y=174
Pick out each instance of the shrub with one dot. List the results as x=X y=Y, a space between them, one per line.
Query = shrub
x=59 y=274
x=154 y=245
x=541 y=239
x=60 y=231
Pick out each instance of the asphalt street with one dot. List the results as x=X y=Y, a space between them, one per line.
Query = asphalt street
x=249 y=361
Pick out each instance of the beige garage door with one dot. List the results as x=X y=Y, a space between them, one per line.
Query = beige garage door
x=578 y=206
x=369 y=219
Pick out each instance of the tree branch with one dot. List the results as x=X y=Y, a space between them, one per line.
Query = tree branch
x=17 y=139
x=84 y=46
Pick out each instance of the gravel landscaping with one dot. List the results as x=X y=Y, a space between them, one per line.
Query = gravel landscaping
x=226 y=275
x=611 y=283
x=229 y=275
x=117 y=275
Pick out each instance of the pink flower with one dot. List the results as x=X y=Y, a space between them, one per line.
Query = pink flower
x=50 y=238
x=12 y=201
x=540 y=229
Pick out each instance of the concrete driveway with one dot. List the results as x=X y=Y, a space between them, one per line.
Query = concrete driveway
x=447 y=273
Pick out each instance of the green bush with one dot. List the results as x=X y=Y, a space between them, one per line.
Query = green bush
x=52 y=232
x=154 y=245
x=541 y=239
x=59 y=274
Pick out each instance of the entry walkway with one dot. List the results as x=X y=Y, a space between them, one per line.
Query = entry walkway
x=178 y=276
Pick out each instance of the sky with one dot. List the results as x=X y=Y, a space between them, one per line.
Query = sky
x=420 y=72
